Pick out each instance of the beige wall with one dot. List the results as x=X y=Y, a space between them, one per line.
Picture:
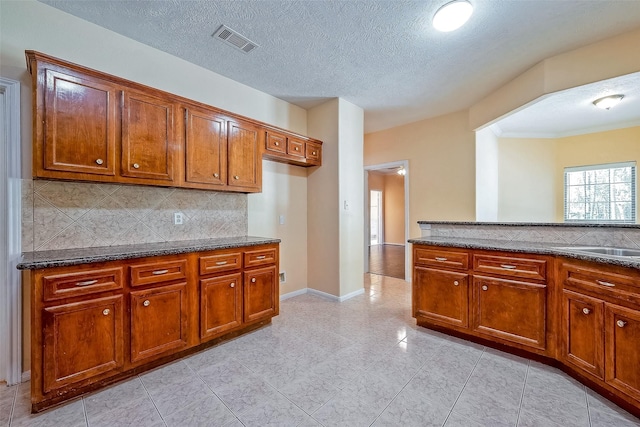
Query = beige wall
x=394 y=209
x=441 y=154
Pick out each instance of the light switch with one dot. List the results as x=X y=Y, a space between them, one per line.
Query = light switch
x=281 y=219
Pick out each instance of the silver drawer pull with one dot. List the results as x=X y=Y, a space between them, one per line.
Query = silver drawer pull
x=456 y=283
x=253 y=280
x=233 y=285
x=106 y=312
x=508 y=266
x=261 y=257
x=621 y=323
x=136 y=166
x=146 y=303
x=221 y=262
x=87 y=283
x=216 y=175
x=99 y=161
x=485 y=287
x=440 y=258
x=276 y=143
x=159 y=272
x=314 y=153
x=610 y=285
x=586 y=310
x=236 y=177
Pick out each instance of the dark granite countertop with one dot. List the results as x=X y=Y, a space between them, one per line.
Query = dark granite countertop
x=66 y=257
x=533 y=224
x=565 y=250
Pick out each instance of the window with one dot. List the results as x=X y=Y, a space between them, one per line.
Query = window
x=600 y=193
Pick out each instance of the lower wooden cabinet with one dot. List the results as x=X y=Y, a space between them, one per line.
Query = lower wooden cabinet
x=441 y=296
x=260 y=294
x=94 y=324
x=159 y=321
x=220 y=305
x=583 y=332
x=81 y=340
x=622 y=344
x=508 y=309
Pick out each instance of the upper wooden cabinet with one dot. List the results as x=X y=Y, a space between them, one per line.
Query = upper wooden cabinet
x=92 y=126
x=293 y=149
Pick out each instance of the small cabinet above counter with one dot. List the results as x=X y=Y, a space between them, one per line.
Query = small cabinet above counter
x=92 y=126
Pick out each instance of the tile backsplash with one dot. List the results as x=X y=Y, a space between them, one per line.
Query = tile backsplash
x=62 y=215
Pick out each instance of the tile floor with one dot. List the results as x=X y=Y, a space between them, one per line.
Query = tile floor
x=358 y=363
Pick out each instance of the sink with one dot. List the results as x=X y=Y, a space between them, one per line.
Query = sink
x=604 y=250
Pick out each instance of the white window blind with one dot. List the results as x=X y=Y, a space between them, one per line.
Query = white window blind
x=600 y=193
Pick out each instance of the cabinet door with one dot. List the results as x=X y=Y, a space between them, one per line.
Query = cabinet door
x=622 y=330
x=245 y=142
x=313 y=153
x=582 y=332
x=82 y=340
x=80 y=125
x=158 y=321
x=260 y=294
x=206 y=148
x=220 y=305
x=511 y=310
x=441 y=296
x=147 y=138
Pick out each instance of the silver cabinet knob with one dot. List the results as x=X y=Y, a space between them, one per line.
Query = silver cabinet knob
x=456 y=283
x=253 y=280
x=216 y=175
x=485 y=287
x=136 y=166
x=99 y=161
x=106 y=311
x=296 y=148
x=586 y=310
x=146 y=303
x=276 y=143
x=621 y=323
x=236 y=177
x=314 y=153
x=233 y=285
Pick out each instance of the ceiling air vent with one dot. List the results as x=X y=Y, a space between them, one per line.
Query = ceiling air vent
x=234 y=39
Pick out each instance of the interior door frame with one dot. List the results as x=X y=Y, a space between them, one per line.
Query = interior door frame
x=380 y=218
x=407 y=252
x=10 y=233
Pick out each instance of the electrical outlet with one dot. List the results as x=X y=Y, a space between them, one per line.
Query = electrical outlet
x=178 y=218
x=283 y=277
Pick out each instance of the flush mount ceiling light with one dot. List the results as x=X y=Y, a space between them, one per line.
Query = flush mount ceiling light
x=401 y=171
x=608 y=101
x=452 y=15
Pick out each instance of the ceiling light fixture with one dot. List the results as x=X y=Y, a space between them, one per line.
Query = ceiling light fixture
x=452 y=15
x=402 y=171
x=608 y=101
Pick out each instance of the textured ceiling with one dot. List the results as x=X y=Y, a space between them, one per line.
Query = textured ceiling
x=571 y=112
x=383 y=56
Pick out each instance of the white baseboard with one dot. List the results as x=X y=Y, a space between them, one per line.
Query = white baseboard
x=26 y=376
x=333 y=297
x=293 y=294
x=351 y=295
x=393 y=244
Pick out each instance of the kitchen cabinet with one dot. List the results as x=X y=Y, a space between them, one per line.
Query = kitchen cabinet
x=441 y=296
x=92 y=126
x=81 y=341
x=148 y=139
x=159 y=321
x=96 y=323
x=622 y=332
x=293 y=149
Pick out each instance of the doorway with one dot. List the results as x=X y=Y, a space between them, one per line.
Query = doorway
x=386 y=230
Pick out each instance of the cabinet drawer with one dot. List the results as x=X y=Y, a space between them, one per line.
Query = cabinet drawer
x=313 y=152
x=523 y=268
x=295 y=147
x=220 y=262
x=276 y=143
x=441 y=258
x=67 y=285
x=259 y=257
x=607 y=285
x=157 y=272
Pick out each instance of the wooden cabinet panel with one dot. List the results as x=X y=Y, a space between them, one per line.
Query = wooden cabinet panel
x=441 y=258
x=80 y=126
x=81 y=340
x=522 y=268
x=260 y=294
x=220 y=305
x=583 y=332
x=295 y=147
x=158 y=271
x=245 y=141
x=148 y=139
x=313 y=153
x=511 y=310
x=260 y=257
x=205 y=147
x=597 y=282
x=220 y=262
x=276 y=142
x=83 y=282
x=622 y=331
x=441 y=296
x=159 y=321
